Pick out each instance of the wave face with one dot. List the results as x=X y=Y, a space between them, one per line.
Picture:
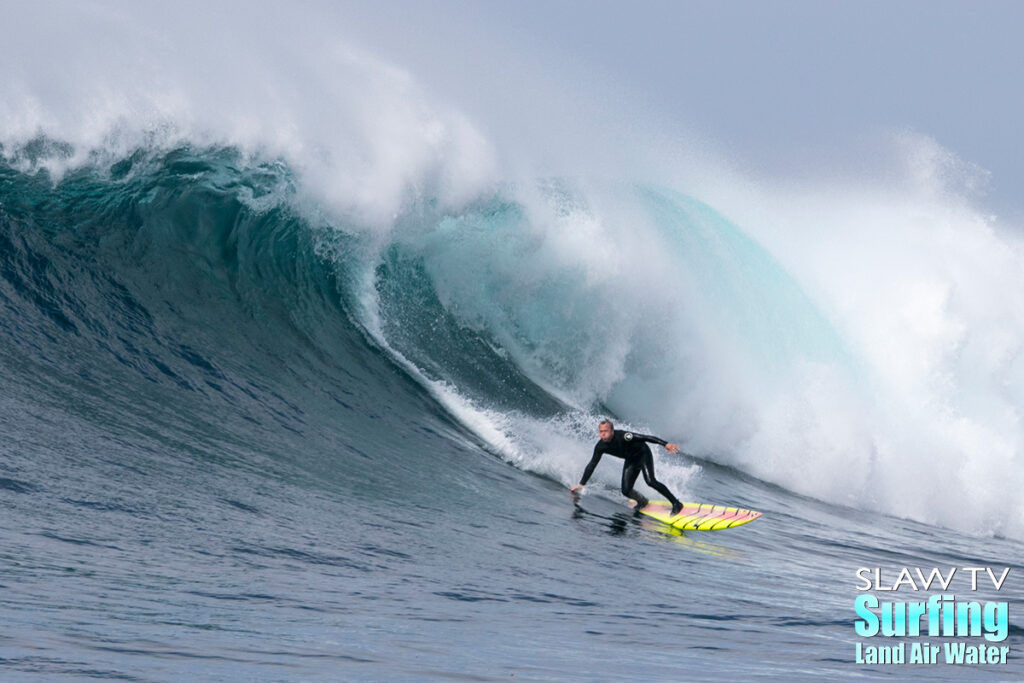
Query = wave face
x=892 y=385
x=529 y=312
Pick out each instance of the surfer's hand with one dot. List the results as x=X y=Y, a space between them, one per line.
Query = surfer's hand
x=671 y=448
x=577 y=487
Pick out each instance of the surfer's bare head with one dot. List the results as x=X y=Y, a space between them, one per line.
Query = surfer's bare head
x=606 y=429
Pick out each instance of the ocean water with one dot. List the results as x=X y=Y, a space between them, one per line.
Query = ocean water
x=288 y=399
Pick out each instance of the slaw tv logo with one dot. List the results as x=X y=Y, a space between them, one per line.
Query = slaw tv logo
x=979 y=627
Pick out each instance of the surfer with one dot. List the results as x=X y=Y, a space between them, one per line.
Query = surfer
x=635 y=452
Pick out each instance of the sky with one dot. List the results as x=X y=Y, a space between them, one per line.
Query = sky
x=790 y=88
x=777 y=86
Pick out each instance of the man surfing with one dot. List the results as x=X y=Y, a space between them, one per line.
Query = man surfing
x=637 y=457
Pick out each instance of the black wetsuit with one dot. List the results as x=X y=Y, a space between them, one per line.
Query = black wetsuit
x=632 y=448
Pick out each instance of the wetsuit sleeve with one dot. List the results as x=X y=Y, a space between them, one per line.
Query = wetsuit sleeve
x=598 y=452
x=649 y=439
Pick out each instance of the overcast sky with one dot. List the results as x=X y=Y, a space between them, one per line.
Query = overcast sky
x=780 y=87
x=774 y=84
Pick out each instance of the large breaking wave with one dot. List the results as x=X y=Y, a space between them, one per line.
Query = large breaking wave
x=851 y=341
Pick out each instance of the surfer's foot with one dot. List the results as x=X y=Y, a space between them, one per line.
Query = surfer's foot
x=677 y=507
x=641 y=504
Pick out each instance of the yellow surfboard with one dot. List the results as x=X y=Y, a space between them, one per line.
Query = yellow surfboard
x=699 y=516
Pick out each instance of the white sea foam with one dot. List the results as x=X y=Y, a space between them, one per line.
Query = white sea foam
x=108 y=78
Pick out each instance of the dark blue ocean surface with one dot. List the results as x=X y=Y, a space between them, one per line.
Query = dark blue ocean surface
x=214 y=465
